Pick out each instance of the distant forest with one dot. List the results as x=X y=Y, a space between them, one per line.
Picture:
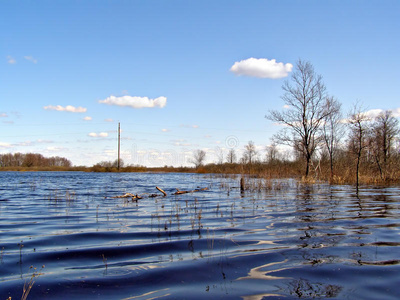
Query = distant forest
x=29 y=160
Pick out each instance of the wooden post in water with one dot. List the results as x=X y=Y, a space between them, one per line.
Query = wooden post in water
x=119 y=144
x=241 y=184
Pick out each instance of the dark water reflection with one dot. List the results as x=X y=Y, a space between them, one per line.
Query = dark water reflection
x=289 y=242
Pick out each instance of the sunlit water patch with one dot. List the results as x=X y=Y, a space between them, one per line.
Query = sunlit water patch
x=65 y=236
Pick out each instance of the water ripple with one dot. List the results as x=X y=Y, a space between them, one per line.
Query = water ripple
x=67 y=233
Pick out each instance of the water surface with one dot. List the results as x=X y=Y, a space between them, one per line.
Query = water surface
x=288 y=241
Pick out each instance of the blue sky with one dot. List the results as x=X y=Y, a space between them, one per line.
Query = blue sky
x=68 y=67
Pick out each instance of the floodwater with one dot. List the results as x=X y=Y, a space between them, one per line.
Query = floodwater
x=63 y=235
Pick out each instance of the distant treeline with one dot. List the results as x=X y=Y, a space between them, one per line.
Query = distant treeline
x=374 y=168
x=112 y=166
x=31 y=160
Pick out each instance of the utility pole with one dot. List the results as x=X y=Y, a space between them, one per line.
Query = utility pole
x=119 y=143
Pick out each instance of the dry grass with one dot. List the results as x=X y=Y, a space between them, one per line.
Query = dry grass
x=28 y=285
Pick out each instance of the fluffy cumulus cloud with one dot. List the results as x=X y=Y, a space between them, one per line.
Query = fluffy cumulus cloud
x=262 y=68
x=101 y=134
x=87 y=118
x=373 y=113
x=68 y=108
x=396 y=112
x=135 y=102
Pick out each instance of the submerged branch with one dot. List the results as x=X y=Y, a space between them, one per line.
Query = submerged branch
x=164 y=194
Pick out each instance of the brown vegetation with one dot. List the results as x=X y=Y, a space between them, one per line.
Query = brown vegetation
x=373 y=168
x=32 y=160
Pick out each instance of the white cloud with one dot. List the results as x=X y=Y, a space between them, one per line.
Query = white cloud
x=135 y=102
x=165 y=130
x=368 y=115
x=31 y=59
x=108 y=120
x=396 y=112
x=373 y=113
x=262 y=68
x=11 y=60
x=101 y=134
x=5 y=145
x=3 y=115
x=68 y=108
x=286 y=106
x=25 y=144
x=87 y=118
x=54 y=149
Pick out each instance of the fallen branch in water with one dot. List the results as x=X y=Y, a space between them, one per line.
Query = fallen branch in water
x=137 y=197
x=127 y=195
x=162 y=191
x=178 y=192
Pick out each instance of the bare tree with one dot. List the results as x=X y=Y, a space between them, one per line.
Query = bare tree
x=272 y=153
x=31 y=160
x=305 y=99
x=198 y=158
x=220 y=155
x=358 y=122
x=382 y=136
x=386 y=129
x=250 y=152
x=332 y=130
x=231 y=158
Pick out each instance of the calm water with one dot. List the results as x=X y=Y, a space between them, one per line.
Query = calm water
x=289 y=242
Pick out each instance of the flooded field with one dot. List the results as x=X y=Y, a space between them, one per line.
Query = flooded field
x=65 y=237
